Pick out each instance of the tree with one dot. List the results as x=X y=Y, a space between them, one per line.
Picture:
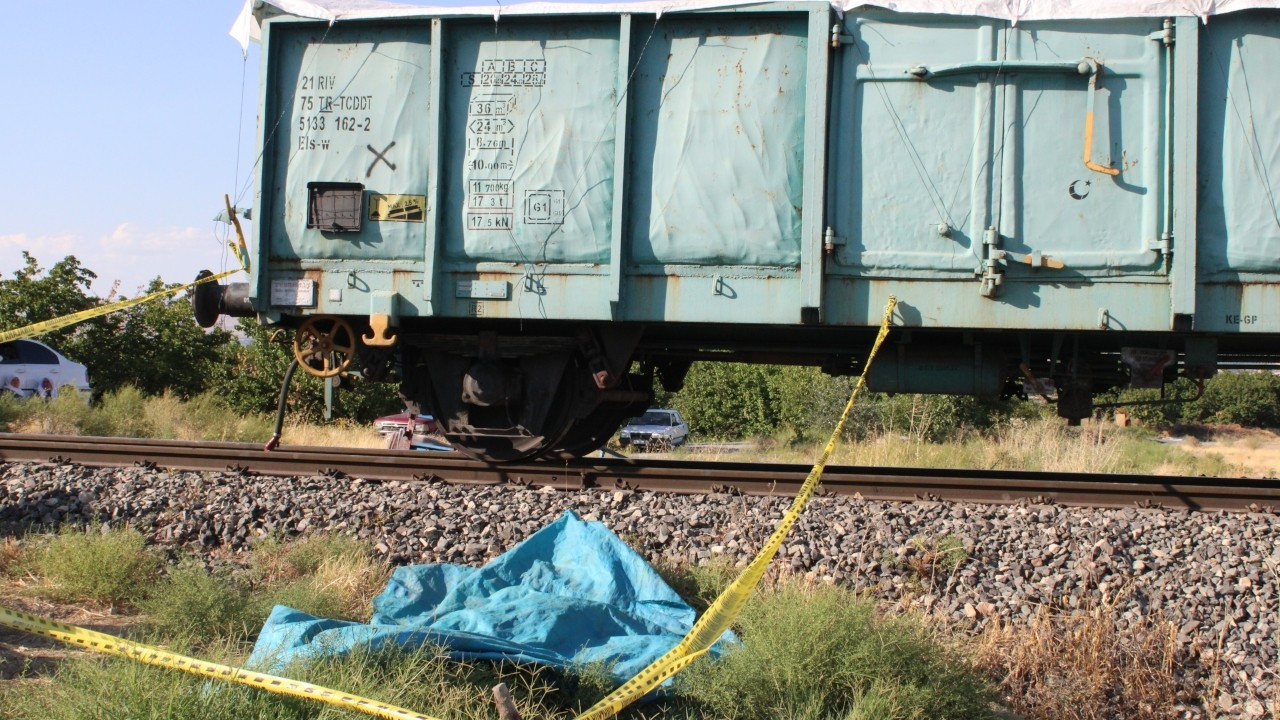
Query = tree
x=28 y=297
x=155 y=346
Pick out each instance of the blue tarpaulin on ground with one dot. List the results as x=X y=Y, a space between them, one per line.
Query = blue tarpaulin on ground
x=571 y=594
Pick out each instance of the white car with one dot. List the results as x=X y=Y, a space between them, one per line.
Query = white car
x=655 y=430
x=29 y=368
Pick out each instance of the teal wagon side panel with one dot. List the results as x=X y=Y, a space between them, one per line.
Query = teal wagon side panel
x=348 y=104
x=530 y=110
x=1239 y=159
x=910 y=157
x=717 y=145
x=1098 y=224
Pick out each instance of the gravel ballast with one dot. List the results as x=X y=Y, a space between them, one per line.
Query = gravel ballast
x=1215 y=576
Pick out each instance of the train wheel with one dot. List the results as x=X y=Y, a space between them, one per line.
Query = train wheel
x=497 y=410
x=593 y=431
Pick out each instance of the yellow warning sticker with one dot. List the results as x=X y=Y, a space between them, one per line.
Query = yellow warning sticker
x=397 y=208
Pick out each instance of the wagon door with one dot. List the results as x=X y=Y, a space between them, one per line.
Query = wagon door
x=1081 y=172
x=1000 y=169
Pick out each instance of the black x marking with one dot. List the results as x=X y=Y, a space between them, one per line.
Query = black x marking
x=380 y=157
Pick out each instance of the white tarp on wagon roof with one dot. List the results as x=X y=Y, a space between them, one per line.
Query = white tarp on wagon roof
x=247 y=25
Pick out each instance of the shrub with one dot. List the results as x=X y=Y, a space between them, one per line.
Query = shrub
x=423 y=679
x=67 y=414
x=113 y=567
x=1089 y=665
x=734 y=400
x=1251 y=399
x=14 y=412
x=11 y=556
x=1161 y=416
x=699 y=585
x=125 y=413
x=195 y=605
x=823 y=652
x=203 y=417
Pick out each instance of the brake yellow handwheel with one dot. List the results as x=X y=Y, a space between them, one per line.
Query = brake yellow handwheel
x=324 y=345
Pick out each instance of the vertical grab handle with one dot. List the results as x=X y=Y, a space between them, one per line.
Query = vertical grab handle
x=1093 y=69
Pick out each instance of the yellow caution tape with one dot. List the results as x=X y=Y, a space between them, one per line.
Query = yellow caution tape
x=705 y=632
x=111 y=645
x=726 y=608
x=40 y=328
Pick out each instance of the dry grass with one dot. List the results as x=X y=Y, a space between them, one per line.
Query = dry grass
x=1045 y=444
x=338 y=568
x=352 y=581
x=1255 y=452
x=339 y=434
x=1084 y=666
x=11 y=555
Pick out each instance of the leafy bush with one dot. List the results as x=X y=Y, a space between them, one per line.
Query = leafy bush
x=249 y=379
x=734 y=400
x=1164 y=415
x=1251 y=399
x=824 y=653
x=113 y=567
x=727 y=400
x=1248 y=398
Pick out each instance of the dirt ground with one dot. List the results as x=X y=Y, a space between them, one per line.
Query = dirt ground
x=1255 y=452
x=25 y=657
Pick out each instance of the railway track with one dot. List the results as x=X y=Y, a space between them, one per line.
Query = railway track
x=671 y=476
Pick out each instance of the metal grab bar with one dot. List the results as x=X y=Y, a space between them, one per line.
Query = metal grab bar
x=1094 y=71
x=1087 y=66
x=924 y=72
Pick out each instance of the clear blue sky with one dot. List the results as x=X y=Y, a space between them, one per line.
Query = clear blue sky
x=120 y=130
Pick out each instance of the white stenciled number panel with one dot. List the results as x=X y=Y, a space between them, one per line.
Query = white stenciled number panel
x=348 y=111
x=529 y=142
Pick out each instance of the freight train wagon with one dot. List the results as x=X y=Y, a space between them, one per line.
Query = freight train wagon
x=526 y=214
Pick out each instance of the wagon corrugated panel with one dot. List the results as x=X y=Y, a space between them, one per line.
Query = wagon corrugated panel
x=775 y=164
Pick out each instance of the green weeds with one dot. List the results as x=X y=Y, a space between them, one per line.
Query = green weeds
x=823 y=652
x=113 y=567
x=192 y=605
x=813 y=653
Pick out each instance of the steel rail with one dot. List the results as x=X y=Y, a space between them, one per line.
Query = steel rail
x=673 y=476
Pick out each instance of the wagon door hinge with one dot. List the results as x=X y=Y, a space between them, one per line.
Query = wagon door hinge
x=993 y=256
x=1165 y=35
x=1163 y=247
x=992 y=274
x=839 y=37
x=831 y=241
